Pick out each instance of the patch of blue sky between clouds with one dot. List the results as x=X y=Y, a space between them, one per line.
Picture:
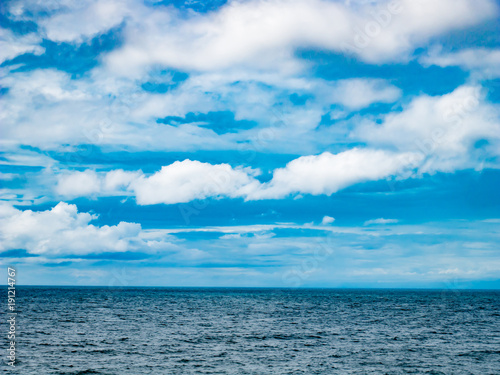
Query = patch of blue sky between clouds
x=411 y=77
x=220 y=122
x=17 y=27
x=163 y=80
x=199 y=6
x=76 y=59
x=493 y=87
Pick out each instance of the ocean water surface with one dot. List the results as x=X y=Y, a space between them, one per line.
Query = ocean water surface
x=255 y=331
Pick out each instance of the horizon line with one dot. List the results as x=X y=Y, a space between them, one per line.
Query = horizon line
x=259 y=287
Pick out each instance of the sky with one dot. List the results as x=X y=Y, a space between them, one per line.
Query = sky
x=257 y=143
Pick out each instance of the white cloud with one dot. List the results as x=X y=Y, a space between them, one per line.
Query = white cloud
x=90 y=183
x=254 y=33
x=381 y=221
x=78 y=184
x=431 y=133
x=52 y=85
x=360 y=93
x=327 y=220
x=442 y=128
x=119 y=179
x=84 y=20
x=70 y=20
x=47 y=108
x=264 y=34
x=328 y=173
x=63 y=230
x=188 y=180
x=181 y=181
x=482 y=61
x=23 y=157
x=8 y=176
x=12 y=45
x=62 y=233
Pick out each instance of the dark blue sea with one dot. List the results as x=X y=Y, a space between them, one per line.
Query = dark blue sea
x=255 y=331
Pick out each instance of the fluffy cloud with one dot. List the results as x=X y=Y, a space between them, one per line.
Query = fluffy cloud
x=82 y=21
x=260 y=34
x=119 y=179
x=70 y=20
x=90 y=183
x=442 y=128
x=483 y=62
x=78 y=184
x=328 y=173
x=63 y=230
x=255 y=33
x=327 y=220
x=188 y=180
x=181 y=181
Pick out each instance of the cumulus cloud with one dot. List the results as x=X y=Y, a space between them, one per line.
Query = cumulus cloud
x=442 y=128
x=188 y=180
x=181 y=181
x=328 y=173
x=257 y=33
x=260 y=34
x=78 y=184
x=63 y=230
x=327 y=220
x=184 y=181
x=431 y=133
x=90 y=183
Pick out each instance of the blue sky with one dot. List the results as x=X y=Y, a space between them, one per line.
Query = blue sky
x=251 y=143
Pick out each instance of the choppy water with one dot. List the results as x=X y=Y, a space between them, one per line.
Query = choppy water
x=256 y=331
